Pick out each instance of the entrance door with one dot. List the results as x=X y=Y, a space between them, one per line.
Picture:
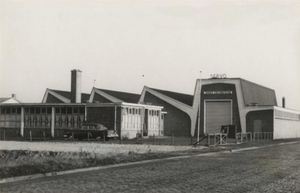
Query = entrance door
x=217 y=113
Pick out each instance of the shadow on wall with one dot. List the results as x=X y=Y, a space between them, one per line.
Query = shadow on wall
x=260 y=121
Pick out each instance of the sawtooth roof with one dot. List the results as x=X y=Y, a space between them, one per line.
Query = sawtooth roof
x=67 y=94
x=184 y=98
x=124 y=96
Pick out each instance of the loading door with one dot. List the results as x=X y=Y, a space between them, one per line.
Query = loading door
x=217 y=113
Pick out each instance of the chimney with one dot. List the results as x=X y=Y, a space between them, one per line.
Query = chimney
x=75 y=86
x=283 y=102
x=13 y=96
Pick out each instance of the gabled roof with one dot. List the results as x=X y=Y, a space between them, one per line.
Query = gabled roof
x=67 y=94
x=9 y=100
x=184 y=98
x=3 y=99
x=123 y=96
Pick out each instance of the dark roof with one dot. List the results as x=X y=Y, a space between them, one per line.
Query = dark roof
x=123 y=96
x=67 y=94
x=255 y=93
x=184 y=98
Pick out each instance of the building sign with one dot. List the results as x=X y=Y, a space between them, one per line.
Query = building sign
x=218 y=76
x=217 y=92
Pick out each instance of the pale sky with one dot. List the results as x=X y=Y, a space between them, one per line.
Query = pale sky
x=169 y=42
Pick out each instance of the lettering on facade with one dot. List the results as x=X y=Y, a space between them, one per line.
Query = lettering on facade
x=217 y=92
x=218 y=76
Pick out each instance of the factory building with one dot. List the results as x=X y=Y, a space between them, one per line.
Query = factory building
x=216 y=102
x=221 y=101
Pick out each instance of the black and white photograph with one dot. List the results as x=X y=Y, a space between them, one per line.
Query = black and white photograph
x=134 y=96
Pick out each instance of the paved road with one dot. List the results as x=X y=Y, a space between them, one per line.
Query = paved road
x=272 y=169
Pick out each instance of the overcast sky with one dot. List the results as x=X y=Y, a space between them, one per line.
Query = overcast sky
x=124 y=45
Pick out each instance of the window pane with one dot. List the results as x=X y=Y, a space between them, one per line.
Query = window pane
x=75 y=109
x=69 y=110
x=63 y=110
x=49 y=110
x=37 y=110
x=81 y=110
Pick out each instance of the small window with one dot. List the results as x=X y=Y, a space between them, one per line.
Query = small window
x=49 y=110
x=37 y=110
x=26 y=110
x=130 y=111
x=150 y=112
x=63 y=110
x=3 y=111
x=139 y=111
x=75 y=110
x=13 y=110
x=8 y=110
x=43 y=110
x=69 y=110
x=19 y=110
x=57 y=110
x=81 y=110
x=32 y=110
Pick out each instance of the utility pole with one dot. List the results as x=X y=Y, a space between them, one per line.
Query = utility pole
x=198 y=130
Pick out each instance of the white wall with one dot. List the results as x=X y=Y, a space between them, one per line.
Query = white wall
x=284 y=128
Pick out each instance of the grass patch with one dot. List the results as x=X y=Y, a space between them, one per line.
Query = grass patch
x=24 y=162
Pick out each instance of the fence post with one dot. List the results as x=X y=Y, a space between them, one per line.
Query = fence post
x=137 y=137
x=172 y=139
x=153 y=138
x=104 y=136
x=72 y=136
x=30 y=136
x=44 y=135
x=88 y=135
x=4 y=134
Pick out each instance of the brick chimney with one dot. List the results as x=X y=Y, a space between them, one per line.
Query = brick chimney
x=283 y=102
x=75 y=86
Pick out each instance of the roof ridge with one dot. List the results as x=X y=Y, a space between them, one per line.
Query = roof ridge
x=171 y=91
x=116 y=91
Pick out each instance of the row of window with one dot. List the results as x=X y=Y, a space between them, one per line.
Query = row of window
x=133 y=111
x=10 y=110
x=287 y=115
x=69 y=110
x=42 y=110
x=153 y=113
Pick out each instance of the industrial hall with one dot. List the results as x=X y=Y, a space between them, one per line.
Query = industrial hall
x=217 y=101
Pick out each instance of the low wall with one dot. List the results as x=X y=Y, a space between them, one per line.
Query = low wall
x=285 y=128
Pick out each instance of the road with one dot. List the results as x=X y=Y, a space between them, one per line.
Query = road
x=270 y=169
